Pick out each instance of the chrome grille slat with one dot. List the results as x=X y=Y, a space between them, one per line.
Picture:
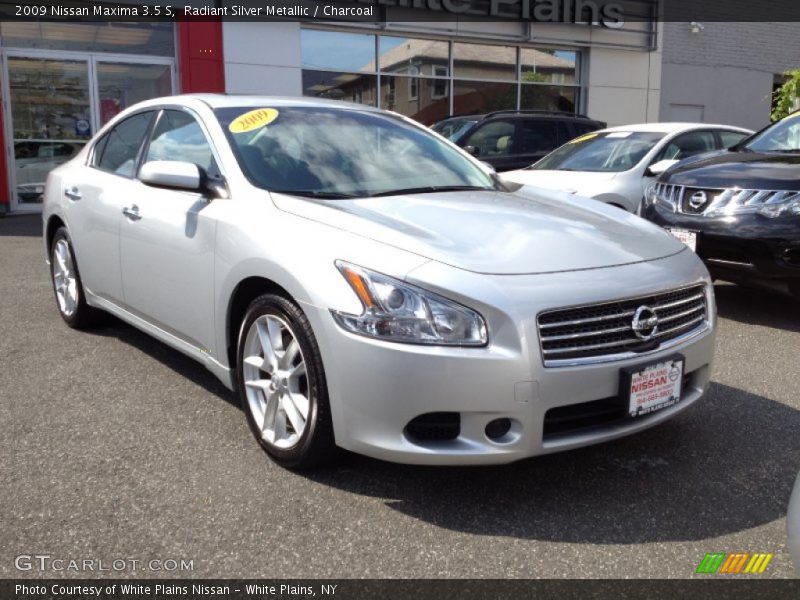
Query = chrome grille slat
x=677 y=303
x=680 y=327
x=593 y=333
x=574 y=336
x=679 y=315
x=725 y=201
x=628 y=313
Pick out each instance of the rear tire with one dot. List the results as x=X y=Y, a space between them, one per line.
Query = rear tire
x=282 y=384
x=67 y=285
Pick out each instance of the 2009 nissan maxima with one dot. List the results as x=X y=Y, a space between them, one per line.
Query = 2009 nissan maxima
x=364 y=283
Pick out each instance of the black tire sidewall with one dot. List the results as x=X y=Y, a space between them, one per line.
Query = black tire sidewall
x=317 y=437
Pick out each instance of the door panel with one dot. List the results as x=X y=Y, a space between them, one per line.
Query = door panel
x=93 y=199
x=167 y=239
x=167 y=255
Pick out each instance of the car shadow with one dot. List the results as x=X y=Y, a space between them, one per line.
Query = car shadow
x=111 y=326
x=725 y=465
x=21 y=226
x=757 y=306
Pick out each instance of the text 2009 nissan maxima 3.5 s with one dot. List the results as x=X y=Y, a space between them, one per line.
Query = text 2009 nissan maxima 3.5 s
x=364 y=283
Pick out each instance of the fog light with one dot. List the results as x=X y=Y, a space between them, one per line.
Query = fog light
x=498 y=428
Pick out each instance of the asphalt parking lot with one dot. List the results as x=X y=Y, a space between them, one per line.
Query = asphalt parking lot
x=115 y=446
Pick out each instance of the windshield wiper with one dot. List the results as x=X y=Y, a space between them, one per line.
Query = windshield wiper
x=322 y=194
x=431 y=189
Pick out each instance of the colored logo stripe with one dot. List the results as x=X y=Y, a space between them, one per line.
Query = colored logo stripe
x=758 y=564
x=720 y=562
x=711 y=562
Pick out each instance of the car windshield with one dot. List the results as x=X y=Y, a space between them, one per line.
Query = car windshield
x=453 y=129
x=338 y=153
x=783 y=136
x=609 y=151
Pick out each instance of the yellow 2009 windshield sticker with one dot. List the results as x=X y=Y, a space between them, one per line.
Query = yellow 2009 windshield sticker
x=255 y=119
x=582 y=138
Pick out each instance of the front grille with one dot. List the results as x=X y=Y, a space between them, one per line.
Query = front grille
x=596 y=414
x=715 y=202
x=605 y=331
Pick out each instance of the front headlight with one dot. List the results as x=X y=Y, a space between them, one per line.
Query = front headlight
x=399 y=312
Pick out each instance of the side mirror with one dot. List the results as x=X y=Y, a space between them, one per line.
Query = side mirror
x=658 y=168
x=473 y=150
x=173 y=174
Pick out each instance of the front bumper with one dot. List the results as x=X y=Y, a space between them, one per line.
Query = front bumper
x=743 y=248
x=376 y=388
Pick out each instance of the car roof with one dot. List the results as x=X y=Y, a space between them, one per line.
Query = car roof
x=672 y=127
x=236 y=100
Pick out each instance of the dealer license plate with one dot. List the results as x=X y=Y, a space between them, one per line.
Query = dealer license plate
x=687 y=237
x=652 y=387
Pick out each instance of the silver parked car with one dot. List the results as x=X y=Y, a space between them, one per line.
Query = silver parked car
x=363 y=283
x=616 y=165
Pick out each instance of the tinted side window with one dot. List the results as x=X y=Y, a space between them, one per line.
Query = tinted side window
x=731 y=138
x=178 y=136
x=538 y=136
x=689 y=144
x=122 y=145
x=495 y=138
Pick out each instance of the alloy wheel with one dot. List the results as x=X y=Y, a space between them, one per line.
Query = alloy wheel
x=276 y=382
x=64 y=278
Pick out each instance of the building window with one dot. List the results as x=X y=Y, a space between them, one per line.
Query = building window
x=439 y=85
x=413 y=83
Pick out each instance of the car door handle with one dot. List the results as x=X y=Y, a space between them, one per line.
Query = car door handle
x=73 y=193
x=132 y=212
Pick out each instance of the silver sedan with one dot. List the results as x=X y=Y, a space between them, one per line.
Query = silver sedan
x=363 y=283
x=616 y=165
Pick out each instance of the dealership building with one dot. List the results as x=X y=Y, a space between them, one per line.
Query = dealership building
x=61 y=81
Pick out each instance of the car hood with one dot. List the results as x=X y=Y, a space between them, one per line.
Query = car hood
x=504 y=233
x=584 y=183
x=747 y=170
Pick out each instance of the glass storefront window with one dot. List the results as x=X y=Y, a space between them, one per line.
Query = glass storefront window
x=416 y=80
x=337 y=51
x=480 y=61
x=417 y=97
x=51 y=118
x=121 y=85
x=548 y=66
x=549 y=97
x=476 y=97
x=398 y=55
x=150 y=39
x=337 y=85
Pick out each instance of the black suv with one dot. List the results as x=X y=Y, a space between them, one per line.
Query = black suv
x=513 y=139
x=739 y=209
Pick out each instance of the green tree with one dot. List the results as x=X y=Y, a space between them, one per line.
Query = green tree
x=786 y=97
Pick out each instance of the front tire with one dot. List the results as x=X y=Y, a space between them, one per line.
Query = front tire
x=282 y=384
x=67 y=286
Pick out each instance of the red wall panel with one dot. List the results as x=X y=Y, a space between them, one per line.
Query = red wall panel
x=200 y=59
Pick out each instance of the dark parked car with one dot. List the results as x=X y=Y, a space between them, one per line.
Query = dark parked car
x=513 y=139
x=739 y=209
